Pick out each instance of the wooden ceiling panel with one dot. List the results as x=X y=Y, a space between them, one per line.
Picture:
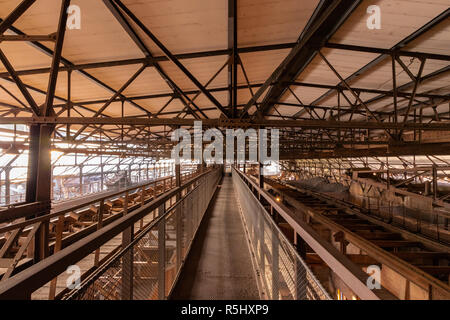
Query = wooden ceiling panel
x=381 y=76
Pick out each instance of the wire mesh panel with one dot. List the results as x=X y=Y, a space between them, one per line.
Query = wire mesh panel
x=284 y=275
x=147 y=267
x=171 y=250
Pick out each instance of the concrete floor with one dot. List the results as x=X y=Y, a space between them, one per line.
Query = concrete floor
x=219 y=266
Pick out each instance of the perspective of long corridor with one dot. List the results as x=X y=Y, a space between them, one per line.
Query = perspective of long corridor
x=219 y=264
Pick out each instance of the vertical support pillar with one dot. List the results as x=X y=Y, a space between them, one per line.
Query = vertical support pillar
x=232 y=44
x=178 y=175
x=129 y=175
x=388 y=178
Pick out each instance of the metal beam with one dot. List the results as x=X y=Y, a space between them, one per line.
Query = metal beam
x=312 y=124
x=15 y=14
x=157 y=96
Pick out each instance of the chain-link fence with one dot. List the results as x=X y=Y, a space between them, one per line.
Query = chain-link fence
x=284 y=275
x=148 y=266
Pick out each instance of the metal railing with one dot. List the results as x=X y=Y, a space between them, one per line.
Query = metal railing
x=147 y=269
x=22 y=285
x=284 y=274
x=410 y=273
x=432 y=222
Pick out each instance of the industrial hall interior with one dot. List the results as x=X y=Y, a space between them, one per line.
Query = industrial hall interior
x=224 y=150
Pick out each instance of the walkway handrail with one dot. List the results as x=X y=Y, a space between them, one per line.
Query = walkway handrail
x=22 y=285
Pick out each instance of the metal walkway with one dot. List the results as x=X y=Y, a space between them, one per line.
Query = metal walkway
x=219 y=264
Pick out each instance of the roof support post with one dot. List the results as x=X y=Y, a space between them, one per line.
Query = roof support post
x=15 y=78
x=413 y=94
x=427 y=27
